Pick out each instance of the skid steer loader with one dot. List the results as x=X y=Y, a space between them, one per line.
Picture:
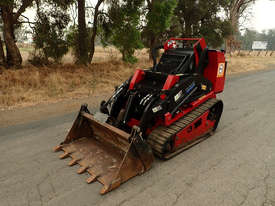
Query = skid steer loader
x=160 y=111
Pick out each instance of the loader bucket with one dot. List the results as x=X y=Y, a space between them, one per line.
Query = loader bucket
x=110 y=155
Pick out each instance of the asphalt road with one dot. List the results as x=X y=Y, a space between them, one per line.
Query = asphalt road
x=236 y=166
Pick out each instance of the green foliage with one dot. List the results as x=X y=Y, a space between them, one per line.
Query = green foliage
x=71 y=37
x=64 y=4
x=131 y=24
x=247 y=39
x=201 y=18
x=215 y=31
x=269 y=36
x=49 y=33
x=122 y=28
x=159 y=18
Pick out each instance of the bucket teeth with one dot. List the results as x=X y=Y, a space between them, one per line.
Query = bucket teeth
x=64 y=155
x=104 y=190
x=91 y=179
x=57 y=148
x=82 y=169
x=108 y=187
x=73 y=162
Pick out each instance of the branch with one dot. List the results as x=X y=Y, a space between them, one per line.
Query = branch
x=104 y=14
x=21 y=10
x=26 y=22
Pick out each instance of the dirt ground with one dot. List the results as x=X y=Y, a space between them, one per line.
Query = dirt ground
x=21 y=115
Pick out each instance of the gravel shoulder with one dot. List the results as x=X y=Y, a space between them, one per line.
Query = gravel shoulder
x=43 y=111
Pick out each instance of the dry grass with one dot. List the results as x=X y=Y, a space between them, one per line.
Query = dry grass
x=32 y=85
x=239 y=64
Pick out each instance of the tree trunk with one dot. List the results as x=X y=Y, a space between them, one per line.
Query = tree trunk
x=151 y=47
x=188 y=25
x=188 y=30
x=229 y=44
x=235 y=27
x=82 y=34
x=150 y=4
x=96 y=13
x=2 y=55
x=14 y=58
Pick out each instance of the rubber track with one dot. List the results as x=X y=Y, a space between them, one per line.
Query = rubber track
x=160 y=137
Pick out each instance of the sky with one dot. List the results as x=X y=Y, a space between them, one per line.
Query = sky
x=262 y=15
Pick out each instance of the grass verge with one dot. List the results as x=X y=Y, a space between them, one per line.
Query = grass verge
x=31 y=85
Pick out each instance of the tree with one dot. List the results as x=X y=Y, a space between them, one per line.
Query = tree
x=201 y=18
x=270 y=37
x=94 y=30
x=250 y=36
x=121 y=29
x=158 y=20
x=82 y=54
x=11 y=14
x=49 y=37
x=235 y=9
x=247 y=39
x=10 y=18
x=82 y=39
x=49 y=31
x=2 y=55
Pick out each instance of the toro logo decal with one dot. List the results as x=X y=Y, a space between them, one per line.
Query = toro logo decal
x=221 y=70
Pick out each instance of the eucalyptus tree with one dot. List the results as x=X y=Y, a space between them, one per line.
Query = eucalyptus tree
x=11 y=11
x=121 y=27
x=203 y=18
x=235 y=10
x=158 y=19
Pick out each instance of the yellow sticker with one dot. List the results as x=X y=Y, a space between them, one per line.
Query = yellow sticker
x=221 y=70
x=203 y=87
